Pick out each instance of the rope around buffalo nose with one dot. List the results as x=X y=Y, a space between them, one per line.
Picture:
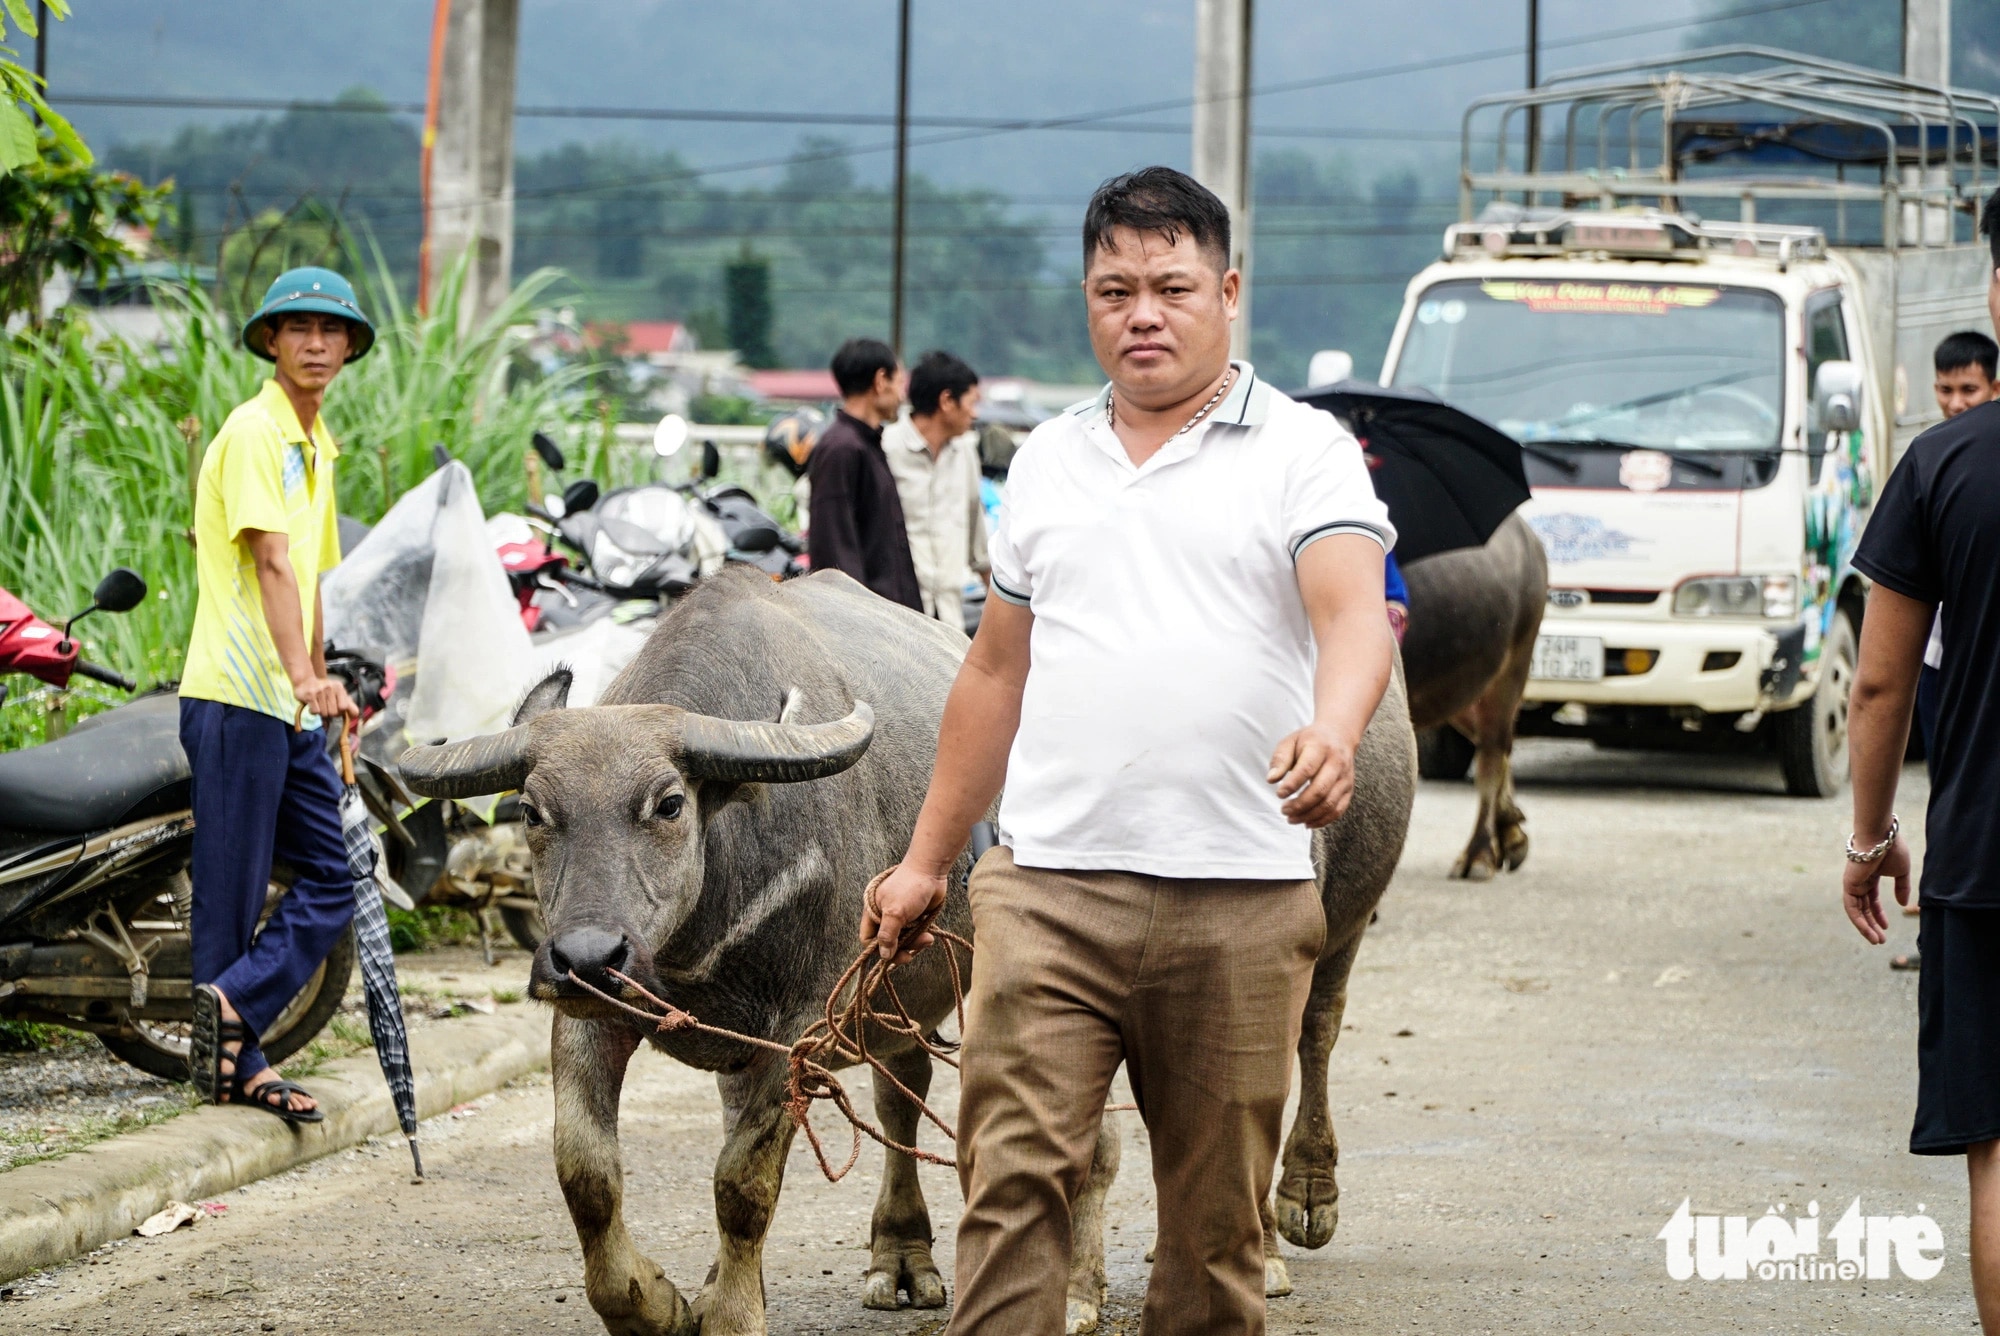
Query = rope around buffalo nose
x=839 y=1036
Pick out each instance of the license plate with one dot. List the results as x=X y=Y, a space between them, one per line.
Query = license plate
x=1568 y=659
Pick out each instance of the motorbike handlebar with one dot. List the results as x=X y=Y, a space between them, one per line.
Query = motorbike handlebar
x=105 y=675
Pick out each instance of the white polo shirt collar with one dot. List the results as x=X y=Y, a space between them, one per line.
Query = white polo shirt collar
x=1248 y=404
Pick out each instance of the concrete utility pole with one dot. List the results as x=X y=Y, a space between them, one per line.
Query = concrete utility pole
x=897 y=265
x=1222 y=129
x=469 y=188
x=1927 y=41
x=1534 y=155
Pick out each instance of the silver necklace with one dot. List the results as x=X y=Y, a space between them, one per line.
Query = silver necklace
x=1111 y=407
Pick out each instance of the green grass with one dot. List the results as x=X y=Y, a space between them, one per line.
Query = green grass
x=32 y=1146
x=343 y=1037
x=428 y=926
x=34 y=1037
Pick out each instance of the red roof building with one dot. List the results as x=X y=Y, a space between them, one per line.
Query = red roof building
x=644 y=338
x=807 y=386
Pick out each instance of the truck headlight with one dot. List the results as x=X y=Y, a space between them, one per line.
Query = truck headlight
x=1772 y=596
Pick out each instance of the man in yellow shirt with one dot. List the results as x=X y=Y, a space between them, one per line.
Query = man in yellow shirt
x=264 y=786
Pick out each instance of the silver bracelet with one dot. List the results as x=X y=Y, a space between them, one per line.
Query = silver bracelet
x=1875 y=854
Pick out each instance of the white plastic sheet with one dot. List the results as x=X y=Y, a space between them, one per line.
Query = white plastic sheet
x=426 y=589
x=594 y=654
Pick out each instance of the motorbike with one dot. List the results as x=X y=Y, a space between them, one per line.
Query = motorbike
x=659 y=539
x=96 y=831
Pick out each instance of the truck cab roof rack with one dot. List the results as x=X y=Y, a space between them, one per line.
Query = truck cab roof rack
x=1505 y=229
x=1804 y=137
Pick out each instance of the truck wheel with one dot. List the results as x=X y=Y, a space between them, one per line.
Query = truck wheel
x=1443 y=753
x=1812 y=738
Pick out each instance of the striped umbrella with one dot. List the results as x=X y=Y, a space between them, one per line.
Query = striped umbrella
x=378 y=960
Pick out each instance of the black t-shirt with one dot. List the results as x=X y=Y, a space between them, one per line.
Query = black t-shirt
x=1935 y=537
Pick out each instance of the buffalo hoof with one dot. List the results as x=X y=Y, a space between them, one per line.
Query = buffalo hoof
x=647 y=1307
x=1079 y=1317
x=910 y=1271
x=1308 y=1209
x=1474 y=867
x=1277 y=1278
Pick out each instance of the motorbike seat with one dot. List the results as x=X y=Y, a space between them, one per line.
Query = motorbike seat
x=121 y=765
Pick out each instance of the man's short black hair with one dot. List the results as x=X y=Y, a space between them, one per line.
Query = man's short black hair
x=1967 y=348
x=1989 y=223
x=855 y=365
x=1161 y=200
x=938 y=373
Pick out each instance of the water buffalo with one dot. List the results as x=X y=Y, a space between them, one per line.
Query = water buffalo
x=675 y=840
x=1474 y=616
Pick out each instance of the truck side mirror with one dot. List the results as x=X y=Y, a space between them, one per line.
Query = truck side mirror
x=1836 y=407
x=1836 y=397
x=1328 y=366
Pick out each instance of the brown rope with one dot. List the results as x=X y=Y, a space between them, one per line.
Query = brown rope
x=839 y=1036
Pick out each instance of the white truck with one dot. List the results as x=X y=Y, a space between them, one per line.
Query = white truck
x=1707 y=408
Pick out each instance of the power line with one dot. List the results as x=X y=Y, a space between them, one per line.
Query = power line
x=1281 y=280
x=1175 y=104
x=850 y=233
x=724 y=116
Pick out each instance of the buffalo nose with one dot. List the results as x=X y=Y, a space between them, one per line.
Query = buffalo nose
x=591 y=952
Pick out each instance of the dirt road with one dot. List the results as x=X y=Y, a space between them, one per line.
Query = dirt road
x=1665 y=1004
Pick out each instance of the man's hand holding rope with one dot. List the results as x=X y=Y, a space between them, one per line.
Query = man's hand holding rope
x=904 y=896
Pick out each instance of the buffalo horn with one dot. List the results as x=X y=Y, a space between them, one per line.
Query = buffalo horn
x=754 y=752
x=489 y=763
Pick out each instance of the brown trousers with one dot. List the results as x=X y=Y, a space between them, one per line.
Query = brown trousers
x=1198 y=987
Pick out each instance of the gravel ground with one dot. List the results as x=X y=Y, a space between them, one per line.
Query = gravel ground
x=1666 y=1004
x=76 y=1092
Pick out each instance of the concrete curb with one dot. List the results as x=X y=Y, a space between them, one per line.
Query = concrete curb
x=58 y=1209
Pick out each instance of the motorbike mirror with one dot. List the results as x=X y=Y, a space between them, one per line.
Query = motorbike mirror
x=711 y=459
x=758 y=538
x=550 y=452
x=554 y=506
x=119 y=591
x=579 y=496
x=670 y=435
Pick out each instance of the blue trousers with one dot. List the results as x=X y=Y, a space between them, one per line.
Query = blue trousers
x=261 y=791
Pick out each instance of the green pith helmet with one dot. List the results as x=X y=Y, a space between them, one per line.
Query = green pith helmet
x=309 y=289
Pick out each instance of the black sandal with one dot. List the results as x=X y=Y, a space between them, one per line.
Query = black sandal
x=206 y=1054
x=276 y=1097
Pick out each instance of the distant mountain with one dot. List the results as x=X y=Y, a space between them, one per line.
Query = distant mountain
x=1357 y=156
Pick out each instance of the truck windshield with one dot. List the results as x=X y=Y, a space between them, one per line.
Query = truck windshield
x=1669 y=366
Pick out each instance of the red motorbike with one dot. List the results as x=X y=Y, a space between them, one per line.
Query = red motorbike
x=32 y=646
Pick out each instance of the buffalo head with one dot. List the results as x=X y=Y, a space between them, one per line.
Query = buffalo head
x=612 y=797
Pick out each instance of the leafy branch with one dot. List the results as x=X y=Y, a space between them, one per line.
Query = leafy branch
x=21 y=100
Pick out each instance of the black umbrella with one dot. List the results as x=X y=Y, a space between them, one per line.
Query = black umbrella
x=1448 y=478
x=378 y=961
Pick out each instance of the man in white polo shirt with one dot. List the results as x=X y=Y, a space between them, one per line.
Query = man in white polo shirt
x=1185 y=642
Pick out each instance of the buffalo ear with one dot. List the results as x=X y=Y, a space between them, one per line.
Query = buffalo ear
x=551 y=693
